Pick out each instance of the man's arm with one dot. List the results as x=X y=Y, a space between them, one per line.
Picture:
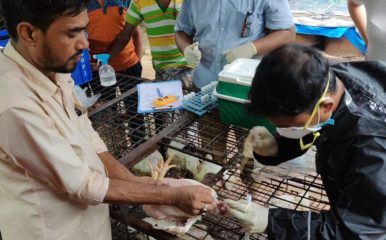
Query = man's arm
x=116 y=170
x=358 y=14
x=126 y=188
x=183 y=40
x=274 y=40
x=185 y=27
x=278 y=21
x=190 y=199
x=137 y=40
x=122 y=40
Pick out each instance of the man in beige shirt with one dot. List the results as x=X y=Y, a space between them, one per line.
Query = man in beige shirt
x=55 y=171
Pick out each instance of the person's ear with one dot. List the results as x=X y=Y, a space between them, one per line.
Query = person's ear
x=27 y=33
x=326 y=106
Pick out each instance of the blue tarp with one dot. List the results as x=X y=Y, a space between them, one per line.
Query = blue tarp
x=335 y=32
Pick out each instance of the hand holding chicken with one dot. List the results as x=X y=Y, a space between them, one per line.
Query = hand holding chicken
x=190 y=200
x=251 y=216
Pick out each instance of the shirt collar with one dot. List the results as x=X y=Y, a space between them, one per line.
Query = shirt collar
x=44 y=87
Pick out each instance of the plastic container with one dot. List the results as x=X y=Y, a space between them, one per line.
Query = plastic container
x=82 y=73
x=106 y=72
x=4 y=38
x=232 y=90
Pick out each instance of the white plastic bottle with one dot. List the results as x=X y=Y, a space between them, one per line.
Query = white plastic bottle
x=106 y=72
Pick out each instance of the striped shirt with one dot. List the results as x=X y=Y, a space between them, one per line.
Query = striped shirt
x=160 y=31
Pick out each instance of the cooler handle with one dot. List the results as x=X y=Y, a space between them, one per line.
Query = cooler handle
x=229 y=98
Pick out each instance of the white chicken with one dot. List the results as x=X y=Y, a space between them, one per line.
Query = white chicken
x=165 y=217
x=197 y=167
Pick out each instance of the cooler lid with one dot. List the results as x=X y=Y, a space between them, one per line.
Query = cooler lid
x=241 y=71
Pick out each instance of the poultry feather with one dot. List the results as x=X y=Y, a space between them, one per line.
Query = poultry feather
x=165 y=217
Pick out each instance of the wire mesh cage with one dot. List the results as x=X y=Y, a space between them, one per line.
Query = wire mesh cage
x=208 y=139
x=300 y=192
x=116 y=119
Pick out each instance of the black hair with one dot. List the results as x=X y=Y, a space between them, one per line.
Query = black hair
x=40 y=13
x=289 y=81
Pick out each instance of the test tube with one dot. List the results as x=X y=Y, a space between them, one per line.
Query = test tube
x=249 y=202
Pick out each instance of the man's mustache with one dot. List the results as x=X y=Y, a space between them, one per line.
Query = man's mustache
x=79 y=53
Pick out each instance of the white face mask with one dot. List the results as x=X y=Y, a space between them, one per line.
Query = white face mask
x=294 y=132
x=299 y=132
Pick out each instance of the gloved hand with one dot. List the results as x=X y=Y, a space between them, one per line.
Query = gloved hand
x=192 y=55
x=252 y=217
x=262 y=142
x=246 y=50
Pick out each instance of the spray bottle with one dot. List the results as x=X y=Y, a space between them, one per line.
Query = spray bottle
x=106 y=72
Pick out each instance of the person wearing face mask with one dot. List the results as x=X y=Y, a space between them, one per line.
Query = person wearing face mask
x=342 y=110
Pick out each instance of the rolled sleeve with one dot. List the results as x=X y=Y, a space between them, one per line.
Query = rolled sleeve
x=96 y=141
x=33 y=143
x=278 y=15
x=94 y=188
x=184 y=21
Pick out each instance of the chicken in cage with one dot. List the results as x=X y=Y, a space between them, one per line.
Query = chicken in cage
x=224 y=165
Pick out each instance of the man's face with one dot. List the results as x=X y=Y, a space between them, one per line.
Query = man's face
x=323 y=113
x=61 y=45
x=291 y=121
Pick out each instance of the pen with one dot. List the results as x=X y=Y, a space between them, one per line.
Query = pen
x=249 y=202
x=159 y=92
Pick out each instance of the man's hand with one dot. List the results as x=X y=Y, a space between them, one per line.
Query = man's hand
x=262 y=142
x=193 y=199
x=192 y=55
x=246 y=50
x=252 y=217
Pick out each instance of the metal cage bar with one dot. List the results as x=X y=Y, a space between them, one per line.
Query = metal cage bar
x=116 y=119
x=210 y=140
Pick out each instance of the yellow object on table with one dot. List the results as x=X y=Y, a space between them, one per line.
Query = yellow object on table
x=164 y=101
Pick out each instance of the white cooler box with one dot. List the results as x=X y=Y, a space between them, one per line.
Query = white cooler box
x=234 y=82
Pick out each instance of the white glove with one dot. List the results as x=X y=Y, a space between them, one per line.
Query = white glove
x=246 y=50
x=252 y=217
x=192 y=55
x=262 y=142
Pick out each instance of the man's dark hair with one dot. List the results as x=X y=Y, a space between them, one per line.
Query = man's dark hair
x=289 y=81
x=40 y=13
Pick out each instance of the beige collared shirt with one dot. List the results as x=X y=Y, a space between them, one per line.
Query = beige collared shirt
x=52 y=181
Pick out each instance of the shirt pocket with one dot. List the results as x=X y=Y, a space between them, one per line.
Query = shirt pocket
x=258 y=24
x=237 y=20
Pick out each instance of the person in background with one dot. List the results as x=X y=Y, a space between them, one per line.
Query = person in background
x=370 y=19
x=107 y=19
x=159 y=17
x=56 y=174
x=340 y=109
x=212 y=33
